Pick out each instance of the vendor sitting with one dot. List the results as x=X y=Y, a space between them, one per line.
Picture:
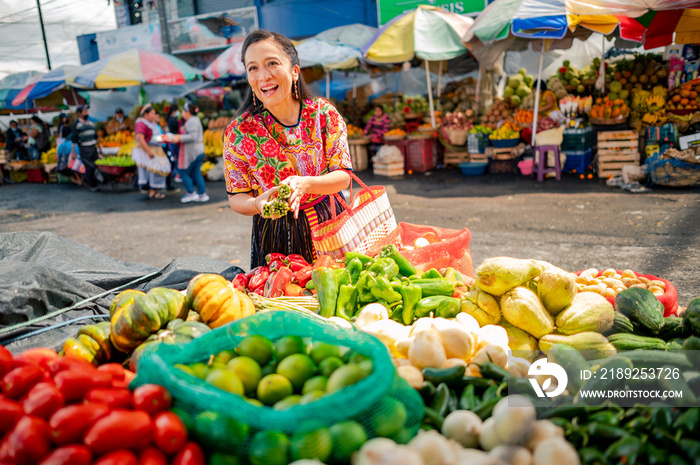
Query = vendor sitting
x=549 y=105
x=119 y=122
x=378 y=125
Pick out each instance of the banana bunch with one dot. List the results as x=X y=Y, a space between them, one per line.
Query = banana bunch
x=126 y=149
x=639 y=101
x=655 y=103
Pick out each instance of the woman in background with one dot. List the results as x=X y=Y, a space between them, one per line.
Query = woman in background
x=191 y=151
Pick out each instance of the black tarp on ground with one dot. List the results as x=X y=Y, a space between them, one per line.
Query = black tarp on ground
x=41 y=272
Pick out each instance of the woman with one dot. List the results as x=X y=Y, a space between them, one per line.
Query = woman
x=191 y=152
x=64 y=128
x=283 y=136
x=151 y=161
x=549 y=105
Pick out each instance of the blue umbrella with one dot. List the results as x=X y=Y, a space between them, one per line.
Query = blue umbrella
x=12 y=85
x=46 y=84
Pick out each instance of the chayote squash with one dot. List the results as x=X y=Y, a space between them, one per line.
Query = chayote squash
x=216 y=300
x=135 y=315
x=642 y=308
x=92 y=344
x=588 y=311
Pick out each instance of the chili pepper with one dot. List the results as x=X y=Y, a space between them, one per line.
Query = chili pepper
x=452 y=402
x=427 y=391
x=364 y=287
x=271 y=257
x=256 y=270
x=354 y=267
x=343 y=276
x=432 y=416
x=302 y=276
x=240 y=282
x=468 y=399
x=406 y=268
x=360 y=256
x=326 y=282
x=444 y=375
x=442 y=399
x=297 y=258
x=411 y=294
x=492 y=371
x=385 y=267
x=448 y=308
x=485 y=408
x=276 y=265
x=310 y=285
x=431 y=274
x=275 y=285
x=293 y=290
x=432 y=304
x=382 y=290
x=258 y=278
x=347 y=300
x=438 y=286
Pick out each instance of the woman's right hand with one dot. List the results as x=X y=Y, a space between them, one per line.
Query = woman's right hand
x=262 y=198
x=151 y=154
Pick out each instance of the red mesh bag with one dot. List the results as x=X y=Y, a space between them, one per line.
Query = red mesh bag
x=669 y=299
x=450 y=247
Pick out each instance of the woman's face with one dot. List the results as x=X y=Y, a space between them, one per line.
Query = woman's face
x=270 y=72
x=151 y=116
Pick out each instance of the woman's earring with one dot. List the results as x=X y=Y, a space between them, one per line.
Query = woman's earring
x=255 y=102
x=296 y=90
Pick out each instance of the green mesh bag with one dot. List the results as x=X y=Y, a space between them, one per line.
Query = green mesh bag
x=383 y=403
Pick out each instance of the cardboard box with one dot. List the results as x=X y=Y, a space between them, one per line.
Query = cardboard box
x=388 y=169
x=686 y=142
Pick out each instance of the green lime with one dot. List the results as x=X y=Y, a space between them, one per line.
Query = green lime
x=354 y=357
x=287 y=346
x=287 y=402
x=185 y=368
x=225 y=380
x=388 y=418
x=316 y=444
x=269 y=448
x=348 y=436
x=329 y=365
x=317 y=383
x=297 y=368
x=218 y=458
x=247 y=370
x=225 y=356
x=273 y=388
x=255 y=402
x=257 y=347
x=215 y=431
x=186 y=418
x=346 y=375
x=217 y=366
x=321 y=350
x=311 y=396
x=200 y=370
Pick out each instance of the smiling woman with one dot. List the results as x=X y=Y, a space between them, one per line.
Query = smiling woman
x=283 y=136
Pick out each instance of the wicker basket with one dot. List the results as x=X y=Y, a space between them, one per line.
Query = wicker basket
x=607 y=121
x=457 y=136
x=420 y=135
x=363 y=141
x=394 y=137
x=413 y=115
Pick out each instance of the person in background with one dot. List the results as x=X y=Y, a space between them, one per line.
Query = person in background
x=85 y=137
x=189 y=164
x=549 y=104
x=16 y=142
x=151 y=161
x=64 y=129
x=38 y=141
x=119 y=122
x=172 y=120
x=378 y=125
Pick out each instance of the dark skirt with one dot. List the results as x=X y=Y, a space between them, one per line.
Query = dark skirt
x=287 y=235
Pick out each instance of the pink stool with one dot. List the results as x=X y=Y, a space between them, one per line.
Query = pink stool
x=540 y=156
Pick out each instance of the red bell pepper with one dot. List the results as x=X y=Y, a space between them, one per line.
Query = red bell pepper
x=240 y=282
x=276 y=265
x=297 y=258
x=297 y=262
x=277 y=284
x=258 y=278
x=271 y=257
x=293 y=290
x=303 y=275
x=260 y=291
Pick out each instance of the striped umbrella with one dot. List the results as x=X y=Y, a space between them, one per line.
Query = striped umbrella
x=135 y=67
x=12 y=85
x=43 y=85
x=227 y=64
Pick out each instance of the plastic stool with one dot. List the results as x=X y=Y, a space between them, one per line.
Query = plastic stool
x=540 y=155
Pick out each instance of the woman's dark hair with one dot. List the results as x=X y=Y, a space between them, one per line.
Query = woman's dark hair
x=543 y=85
x=289 y=49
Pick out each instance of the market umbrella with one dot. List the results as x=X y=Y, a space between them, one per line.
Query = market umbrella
x=657 y=28
x=12 y=85
x=328 y=55
x=43 y=85
x=228 y=64
x=135 y=67
x=428 y=32
x=355 y=35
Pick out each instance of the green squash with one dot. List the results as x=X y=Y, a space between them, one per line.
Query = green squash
x=136 y=316
x=642 y=308
x=92 y=344
x=692 y=316
x=176 y=332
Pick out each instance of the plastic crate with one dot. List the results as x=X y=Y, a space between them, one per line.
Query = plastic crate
x=505 y=143
x=419 y=155
x=477 y=142
x=577 y=160
x=35 y=175
x=578 y=139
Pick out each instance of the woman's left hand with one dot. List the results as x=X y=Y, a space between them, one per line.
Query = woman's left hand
x=300 y=187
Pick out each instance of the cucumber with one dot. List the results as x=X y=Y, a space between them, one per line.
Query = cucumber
x=573 y=363
x=621 y=324
x=656 y=358
x=674 y=328
x=642 y=308
x=626 y=341
x=605 y=378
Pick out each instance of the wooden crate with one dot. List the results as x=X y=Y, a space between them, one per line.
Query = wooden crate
x=615 y=150
x=455 y=158
x=358 y=156
x=500 y=153
x=4 y=156
x=388 y=169
x=478 y=157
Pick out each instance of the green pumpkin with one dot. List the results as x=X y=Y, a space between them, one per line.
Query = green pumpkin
x=91 y=344
x=136 y=316
x=177 y=332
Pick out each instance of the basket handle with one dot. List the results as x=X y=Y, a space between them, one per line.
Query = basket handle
x=353 y=177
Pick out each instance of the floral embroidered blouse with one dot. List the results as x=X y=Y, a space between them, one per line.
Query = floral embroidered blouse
x=259 y=151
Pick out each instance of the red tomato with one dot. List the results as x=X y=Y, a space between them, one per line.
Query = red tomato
x=191 y=454
x=170 y=434
x=10 y=413
x=19 y=381
x=115 y=369
x=75 y=383
x=75 y=454
x=152 y=398
x=119 y=429
x=152 y=456
x=28 y=443
x=114 y=398
x=39 y=356
x=118 y=457
x=70 y=423
x=43 y=400
x=67 y=363
x=7 y=362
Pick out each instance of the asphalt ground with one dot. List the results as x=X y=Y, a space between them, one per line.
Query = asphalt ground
x=572 y=223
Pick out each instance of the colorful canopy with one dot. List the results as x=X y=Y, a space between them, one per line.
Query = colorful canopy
x=354 y=35
x=135 y=67
x=43 y=85
x=657 y=28
x=316 y=51
x=12 y=85
x=427 y=32
x=227 y=64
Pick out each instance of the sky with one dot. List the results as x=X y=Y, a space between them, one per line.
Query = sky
x=21 y=45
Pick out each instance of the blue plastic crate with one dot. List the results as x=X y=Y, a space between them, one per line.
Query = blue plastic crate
x=577 y=160
x=578 y=139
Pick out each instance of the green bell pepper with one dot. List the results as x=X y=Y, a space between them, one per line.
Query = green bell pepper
x=354 y=268
x=347 y=301
x=397 y=314
x=385 y=267
x=406 y=268
x=349 y=256
x=382 y=290
x=411 y=294
x=343 y=276
x=437 y=304
x=431 y=274
x=326 y=281
x=364 y=285
x=448 y=308
x=431 y=287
